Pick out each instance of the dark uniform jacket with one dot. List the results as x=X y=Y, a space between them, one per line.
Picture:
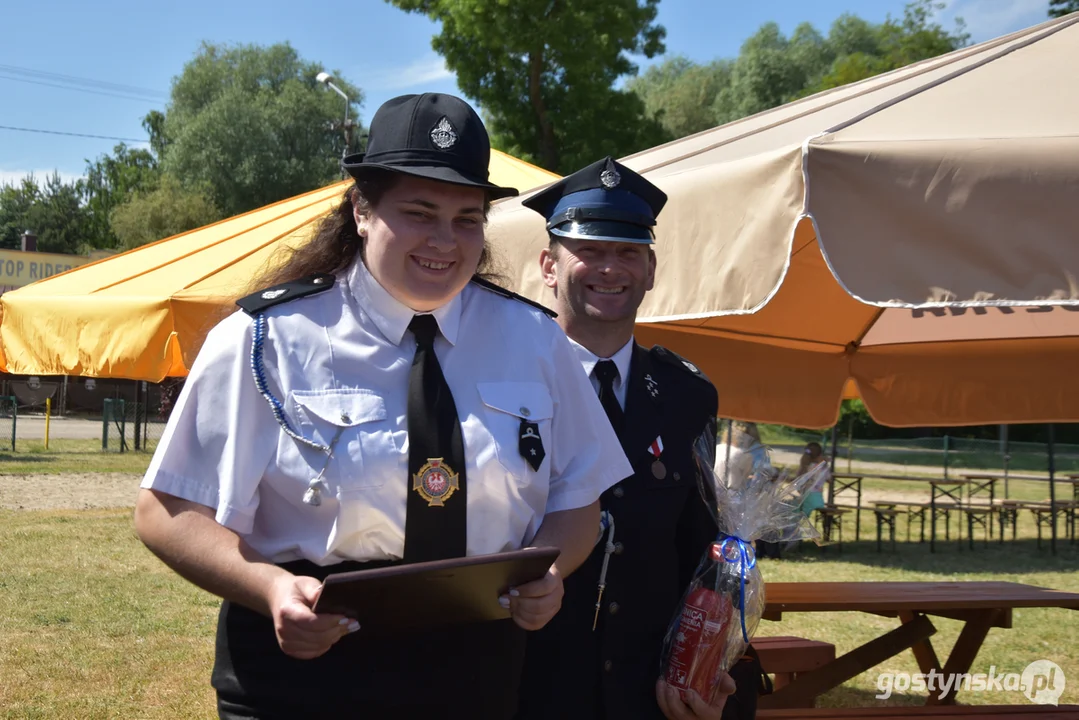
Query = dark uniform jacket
x=662 y=529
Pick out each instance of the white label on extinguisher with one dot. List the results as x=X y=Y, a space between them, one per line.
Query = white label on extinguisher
x=685 y=645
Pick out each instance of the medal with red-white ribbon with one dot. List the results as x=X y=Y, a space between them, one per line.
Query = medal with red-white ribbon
x=659 y=470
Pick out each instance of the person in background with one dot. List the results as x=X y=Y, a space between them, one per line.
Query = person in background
x=814 y=495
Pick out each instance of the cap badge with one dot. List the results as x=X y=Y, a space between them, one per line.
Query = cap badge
x=443 y=135
x=610 y=178
x=274 y=294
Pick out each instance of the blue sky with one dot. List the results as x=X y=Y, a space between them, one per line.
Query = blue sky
x=383 y=50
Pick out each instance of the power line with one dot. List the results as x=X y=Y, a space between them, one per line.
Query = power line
x=85 y=82
x=57 y=132
x=78 y=89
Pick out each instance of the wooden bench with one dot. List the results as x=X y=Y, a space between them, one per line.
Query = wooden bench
x=832 y=519
x=786 y=656
x=885 y=516
x=1012 y=712
x=912 y=509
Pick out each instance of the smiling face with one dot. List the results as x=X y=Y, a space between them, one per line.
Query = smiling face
x=598 y=280
x=423 y=240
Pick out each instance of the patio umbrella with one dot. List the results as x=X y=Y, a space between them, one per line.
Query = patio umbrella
x=789 y=236
x=143 y=314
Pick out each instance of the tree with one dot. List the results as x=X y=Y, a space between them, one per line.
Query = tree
x=15 y=204
x=891 y=45
x=166 y=210
x=772 y=69
x=679 y=93
x=54 y=212
x=59 y=218
x=110 y=181
x=544 y=72
x=1060 y=8
x=252 y=125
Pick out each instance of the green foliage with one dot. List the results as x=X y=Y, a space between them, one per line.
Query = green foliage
x=53 y=211
x=772 y=69
x=166 y=210
x=15 y=204
x=679 y=93
x=252 y=125
x=110 y=181
x=544 y=73
x=1060 y=8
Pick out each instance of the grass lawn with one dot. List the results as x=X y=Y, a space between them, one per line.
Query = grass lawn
x=93 y=626
x=68 y=456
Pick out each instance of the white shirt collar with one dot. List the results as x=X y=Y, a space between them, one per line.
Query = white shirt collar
x=621 y=359
x=390 y=315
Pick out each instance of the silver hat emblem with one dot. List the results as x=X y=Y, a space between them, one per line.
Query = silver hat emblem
x=273 y=294
x=443 y=135
x=610 y=178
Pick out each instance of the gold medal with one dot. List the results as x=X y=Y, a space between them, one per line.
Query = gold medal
x=435 y=482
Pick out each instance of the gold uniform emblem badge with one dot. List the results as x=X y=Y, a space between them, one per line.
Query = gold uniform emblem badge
x=435 y=482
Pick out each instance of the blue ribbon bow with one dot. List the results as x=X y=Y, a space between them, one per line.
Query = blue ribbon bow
x=747 y=560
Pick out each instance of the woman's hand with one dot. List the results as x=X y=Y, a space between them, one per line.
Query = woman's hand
x=533 y=604
x=695 y=708
x=301 y=632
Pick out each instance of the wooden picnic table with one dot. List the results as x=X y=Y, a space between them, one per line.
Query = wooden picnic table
x=981 y=605
x=945 y=495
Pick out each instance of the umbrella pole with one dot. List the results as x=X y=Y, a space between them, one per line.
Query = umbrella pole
x=835 y=438
x=1052 y=494
x=1007 y=456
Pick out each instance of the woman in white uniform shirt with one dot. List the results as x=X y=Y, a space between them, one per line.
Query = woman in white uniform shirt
x=291 y=452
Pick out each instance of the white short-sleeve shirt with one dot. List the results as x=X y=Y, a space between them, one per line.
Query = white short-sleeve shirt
x=340 y=360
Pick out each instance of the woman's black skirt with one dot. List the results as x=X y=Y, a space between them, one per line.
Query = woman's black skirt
x=469 y=671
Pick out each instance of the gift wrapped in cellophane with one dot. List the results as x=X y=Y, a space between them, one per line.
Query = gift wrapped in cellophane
x=751 y=501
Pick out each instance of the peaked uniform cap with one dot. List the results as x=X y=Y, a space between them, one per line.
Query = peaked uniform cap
x=604 y=201
x=434 y=136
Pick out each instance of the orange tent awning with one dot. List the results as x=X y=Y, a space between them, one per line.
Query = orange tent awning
x=144 y=314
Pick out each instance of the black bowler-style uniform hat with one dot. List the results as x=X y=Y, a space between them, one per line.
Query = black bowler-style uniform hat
x=434 y=136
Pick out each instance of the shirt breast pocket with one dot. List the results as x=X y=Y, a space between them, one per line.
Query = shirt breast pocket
x=367 y=446
x=508 y=406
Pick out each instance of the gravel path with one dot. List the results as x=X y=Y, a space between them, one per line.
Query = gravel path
x=68 y=491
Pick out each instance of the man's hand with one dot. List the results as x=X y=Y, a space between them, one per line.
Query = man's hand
x=533 y=604
x=302 y=633
x=695 y=708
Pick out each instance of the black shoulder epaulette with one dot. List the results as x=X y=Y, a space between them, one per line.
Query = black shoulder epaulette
x=498 y=290
x=672 y=358
x=301 y=287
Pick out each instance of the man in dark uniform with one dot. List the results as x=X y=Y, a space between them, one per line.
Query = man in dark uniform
x=600 y=655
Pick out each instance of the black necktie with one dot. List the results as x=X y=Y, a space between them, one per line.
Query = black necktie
x=606 y=371
x=435 y=524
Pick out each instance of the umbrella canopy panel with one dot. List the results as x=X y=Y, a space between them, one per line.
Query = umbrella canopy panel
x=814 y=344
x=946 y=182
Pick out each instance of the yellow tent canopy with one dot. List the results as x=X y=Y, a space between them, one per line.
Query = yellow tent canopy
x=144 y=314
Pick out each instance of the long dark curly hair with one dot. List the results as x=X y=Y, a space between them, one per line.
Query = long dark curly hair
x=335 y=243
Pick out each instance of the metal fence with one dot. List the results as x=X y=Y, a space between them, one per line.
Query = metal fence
x=9 y=417
x=130 y=426
x=946 y=455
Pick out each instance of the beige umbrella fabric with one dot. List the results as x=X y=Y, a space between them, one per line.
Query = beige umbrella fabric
x=948 y=183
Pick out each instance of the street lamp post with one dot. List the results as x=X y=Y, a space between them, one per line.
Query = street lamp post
x=326 y=79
